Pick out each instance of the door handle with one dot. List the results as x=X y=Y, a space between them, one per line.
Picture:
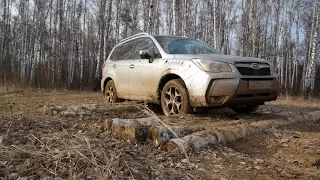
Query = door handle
x=114 y=66
x=131 y=66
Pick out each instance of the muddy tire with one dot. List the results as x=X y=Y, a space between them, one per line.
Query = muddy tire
x=110 y=93
x=245 y=109
x=175 y=98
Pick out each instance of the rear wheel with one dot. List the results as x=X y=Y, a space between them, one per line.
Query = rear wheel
x=174 y=98
x=110 y=92
x=245 y=109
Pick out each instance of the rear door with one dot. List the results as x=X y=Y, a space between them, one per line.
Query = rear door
x=143 y=75
x=121 y=67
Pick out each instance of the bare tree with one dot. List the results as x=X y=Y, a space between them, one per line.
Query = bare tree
x=175 y=16
x=63 y=43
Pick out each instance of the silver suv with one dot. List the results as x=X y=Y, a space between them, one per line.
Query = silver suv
x=185 y=75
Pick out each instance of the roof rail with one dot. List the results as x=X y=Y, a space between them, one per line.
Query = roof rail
x=136 y=35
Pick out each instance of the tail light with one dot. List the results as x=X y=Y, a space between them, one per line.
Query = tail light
x=103 y=65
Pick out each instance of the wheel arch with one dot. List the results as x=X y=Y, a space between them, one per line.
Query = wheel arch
x=163 y=81
x=106 y=80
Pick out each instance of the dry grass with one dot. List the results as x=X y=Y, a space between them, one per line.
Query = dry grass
x=66 y=148
x=297 y=101
x=60 y=154
x=20 y=88
x=11 y=88
x=294 y=104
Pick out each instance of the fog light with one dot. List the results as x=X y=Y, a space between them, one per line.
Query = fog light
x=212 y=99
x=217 y=99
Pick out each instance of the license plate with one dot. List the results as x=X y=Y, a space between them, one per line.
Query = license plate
x=259 y=85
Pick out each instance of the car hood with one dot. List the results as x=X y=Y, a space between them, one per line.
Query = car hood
x=220 y=57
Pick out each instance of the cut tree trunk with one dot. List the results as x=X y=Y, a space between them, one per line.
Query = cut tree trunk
x=131 y=130
x=209 y=137
x=140 y=130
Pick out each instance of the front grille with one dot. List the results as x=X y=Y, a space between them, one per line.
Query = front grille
x=248 y=69
x=254 y=72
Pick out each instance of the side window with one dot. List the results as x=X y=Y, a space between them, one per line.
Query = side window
x=115 y=54
x=125 y=51
x=146 y=44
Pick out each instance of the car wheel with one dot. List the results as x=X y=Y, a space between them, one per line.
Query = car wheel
x=174 y=98
x=110 y=92
x=245 y=109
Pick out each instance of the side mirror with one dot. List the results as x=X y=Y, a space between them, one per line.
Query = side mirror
x=144 y=54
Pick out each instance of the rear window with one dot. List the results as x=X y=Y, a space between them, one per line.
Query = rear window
x=115 y=54
x=126 y=50
x=123 y=51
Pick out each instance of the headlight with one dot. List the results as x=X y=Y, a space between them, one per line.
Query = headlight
x=212 y=66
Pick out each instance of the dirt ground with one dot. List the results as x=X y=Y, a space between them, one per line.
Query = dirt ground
x=38 y=146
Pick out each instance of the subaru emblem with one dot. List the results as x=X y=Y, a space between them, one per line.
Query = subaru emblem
x=255 y=66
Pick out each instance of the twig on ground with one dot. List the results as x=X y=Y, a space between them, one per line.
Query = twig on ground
x=89 y=148
x=36 y=154
x=129 y=169
x=49 y=170
x=56 y=165
x=111 y=160
x=41 y=142
x=189 y=175
x=8 y=131
x=89 y=160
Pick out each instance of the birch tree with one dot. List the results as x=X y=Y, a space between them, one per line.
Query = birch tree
x=175 y=17
x=62 y=43
x=311 y=63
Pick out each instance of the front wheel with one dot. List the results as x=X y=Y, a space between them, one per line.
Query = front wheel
x=245 y=109
x=174 y=98
x=110 y=92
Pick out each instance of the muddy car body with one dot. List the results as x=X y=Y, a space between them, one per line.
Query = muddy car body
x=183 y=74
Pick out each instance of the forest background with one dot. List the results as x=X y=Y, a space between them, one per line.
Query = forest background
x=61 y=44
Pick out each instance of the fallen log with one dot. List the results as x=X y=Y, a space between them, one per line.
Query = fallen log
x=160 y=135
x=223 y=135
x=138 y=130
x=86 y=109
x=132 y=130
x=115 y=109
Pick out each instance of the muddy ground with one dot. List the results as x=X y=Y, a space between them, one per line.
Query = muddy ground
x=38 y=146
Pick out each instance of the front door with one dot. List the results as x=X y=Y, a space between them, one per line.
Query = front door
x=143 y=73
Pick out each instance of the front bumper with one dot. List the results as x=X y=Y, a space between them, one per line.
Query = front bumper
x=240 y=93
x=213 y=91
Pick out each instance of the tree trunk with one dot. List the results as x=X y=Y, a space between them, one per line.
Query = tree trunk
x=101 y=39
x=275 y=41
x=310 y=65
x=175 y=17
x=151 y=17
x=107 y=31
x=214 y=24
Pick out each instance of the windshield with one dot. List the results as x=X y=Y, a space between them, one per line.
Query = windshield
x=181 y=45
